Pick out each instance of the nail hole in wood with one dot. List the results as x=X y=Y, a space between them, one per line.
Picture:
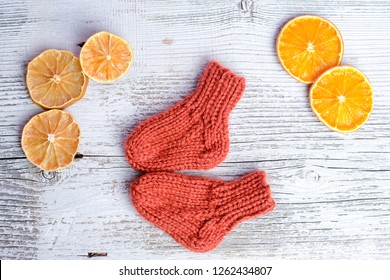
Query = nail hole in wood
x=48 y=175
x=95 y=254
x=78 y=156
x=246 y=6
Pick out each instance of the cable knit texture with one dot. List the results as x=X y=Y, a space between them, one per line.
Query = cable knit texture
x=198 y=212
x=193 y=134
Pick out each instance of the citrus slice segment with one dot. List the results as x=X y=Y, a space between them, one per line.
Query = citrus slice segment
x=55 y=79
x=342 y=99
x=106 y=57
x=309 y=45
x=50 y=140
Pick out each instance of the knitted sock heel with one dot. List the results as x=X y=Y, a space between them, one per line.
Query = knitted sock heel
x=198 y=212
x=193 y=134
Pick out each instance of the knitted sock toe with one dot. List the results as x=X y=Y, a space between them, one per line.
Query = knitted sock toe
x=193 y=134
x=198 y=212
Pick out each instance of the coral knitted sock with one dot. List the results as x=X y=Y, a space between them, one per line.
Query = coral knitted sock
x=193 y=134
x=198 y=212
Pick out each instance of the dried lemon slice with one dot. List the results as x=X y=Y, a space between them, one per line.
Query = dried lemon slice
x=106 y=57
x=50 y=140
x=55 y=79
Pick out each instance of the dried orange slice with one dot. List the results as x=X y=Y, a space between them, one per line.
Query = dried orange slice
x=55 y=79
x=309 y=45
x=106 y=57
x=342 y=99
x=50 y=140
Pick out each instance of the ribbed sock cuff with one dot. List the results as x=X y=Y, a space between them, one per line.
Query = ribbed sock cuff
x=248 y=196
x=218 y=90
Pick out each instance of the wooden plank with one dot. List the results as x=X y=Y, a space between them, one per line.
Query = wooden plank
x=332 y=191
x=317 y=205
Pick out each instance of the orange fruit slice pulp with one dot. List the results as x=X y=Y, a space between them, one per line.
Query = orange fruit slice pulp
x=106 y=57
x=50 y=140
x=342 y=99
x=309 y=45
x=55 y=79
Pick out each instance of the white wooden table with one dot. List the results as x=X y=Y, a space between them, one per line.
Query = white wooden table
x=332 y=191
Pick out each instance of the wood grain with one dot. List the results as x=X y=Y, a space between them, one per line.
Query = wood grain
x=332 y=191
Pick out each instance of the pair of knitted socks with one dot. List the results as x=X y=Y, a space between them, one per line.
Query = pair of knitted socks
x=193 y=134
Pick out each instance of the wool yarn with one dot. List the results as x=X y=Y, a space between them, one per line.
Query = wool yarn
x=193 y=134
x=198 y=212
